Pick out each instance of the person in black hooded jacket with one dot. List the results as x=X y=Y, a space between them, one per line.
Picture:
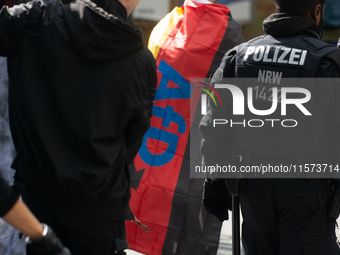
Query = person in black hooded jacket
x=81 y=89
x=290 y=215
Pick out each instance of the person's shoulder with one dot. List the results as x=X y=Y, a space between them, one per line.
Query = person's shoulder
x=232 y=51
x=254 y=40
x=333 y=59
x=146 y=54
x=144 y=58
x=334 y=54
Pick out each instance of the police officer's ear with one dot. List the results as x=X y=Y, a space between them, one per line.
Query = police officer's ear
x=317 y=14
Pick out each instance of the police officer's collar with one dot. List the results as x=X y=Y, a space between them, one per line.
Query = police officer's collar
x=282 y=24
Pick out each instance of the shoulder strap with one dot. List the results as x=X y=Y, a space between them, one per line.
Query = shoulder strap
x=232 y=51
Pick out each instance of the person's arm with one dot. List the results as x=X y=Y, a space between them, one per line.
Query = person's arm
x=217 y=144
x=21 y=218
x=334 y=199
x=217 y=141
x=13 y=210
x=40 y=237
x=140 y=123
x=330 y=68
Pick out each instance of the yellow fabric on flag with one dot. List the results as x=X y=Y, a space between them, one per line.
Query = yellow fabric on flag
x=163 y=29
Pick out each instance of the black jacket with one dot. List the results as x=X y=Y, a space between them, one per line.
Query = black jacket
x=81 y=90
x=314 y=139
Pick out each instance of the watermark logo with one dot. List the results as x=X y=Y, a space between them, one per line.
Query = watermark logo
x=204 y=96
x=212 y=89
x=265 y=101
x=269 y=116
x=238 y=100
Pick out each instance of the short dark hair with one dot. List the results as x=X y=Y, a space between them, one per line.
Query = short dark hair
x=297 y=7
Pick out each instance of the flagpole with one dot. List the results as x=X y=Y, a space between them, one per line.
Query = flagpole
x=236 y=225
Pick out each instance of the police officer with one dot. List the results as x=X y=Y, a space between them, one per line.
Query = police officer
x=286 y=216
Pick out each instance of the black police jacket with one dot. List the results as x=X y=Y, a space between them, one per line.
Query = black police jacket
x=291 y=48
x=81 y=89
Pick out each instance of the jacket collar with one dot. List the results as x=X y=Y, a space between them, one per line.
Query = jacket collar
x=282 y=24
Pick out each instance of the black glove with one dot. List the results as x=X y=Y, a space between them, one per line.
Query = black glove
x=49 y=244
x=216 y=198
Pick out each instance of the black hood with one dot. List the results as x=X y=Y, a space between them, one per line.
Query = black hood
x=282 y=24
x=101 y=34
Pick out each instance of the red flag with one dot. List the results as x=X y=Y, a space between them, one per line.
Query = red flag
x=188 y=43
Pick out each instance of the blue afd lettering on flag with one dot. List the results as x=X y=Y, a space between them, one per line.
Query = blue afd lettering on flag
x=163 y=92
x=164 y=136
x=168 y=115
